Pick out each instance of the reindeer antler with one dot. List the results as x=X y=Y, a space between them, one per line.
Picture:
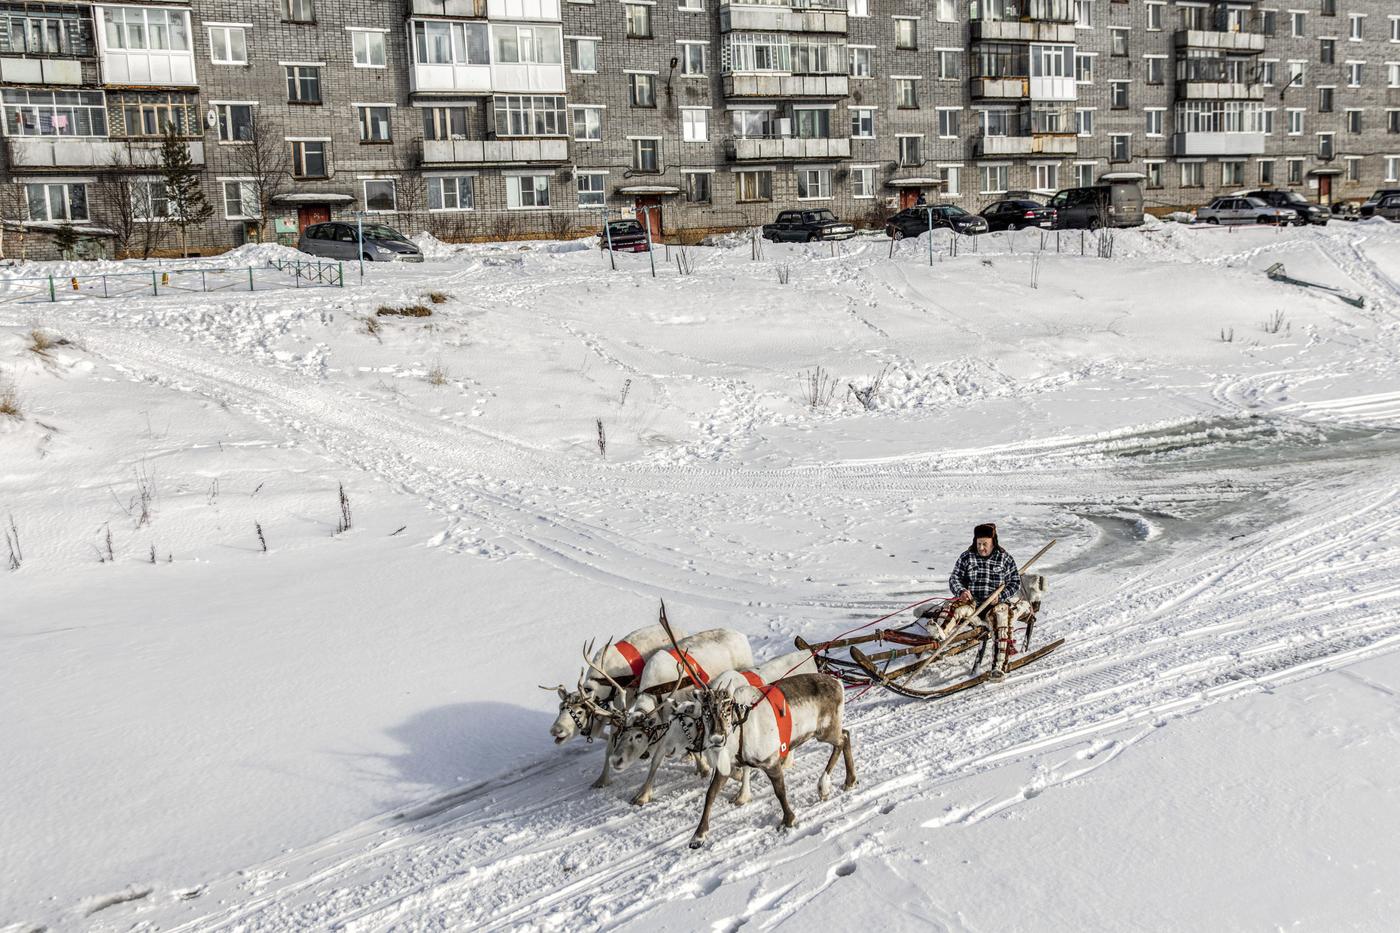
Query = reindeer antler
x=552 y=689
x=602 y=673
x=694 y=678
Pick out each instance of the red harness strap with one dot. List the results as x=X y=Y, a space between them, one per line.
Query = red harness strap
x=694 y=665
x=781 y=713
x=632 y=656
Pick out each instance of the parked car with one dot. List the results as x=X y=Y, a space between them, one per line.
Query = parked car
x=1308 y=213
x=1346 y=210
x=1112 y=205
x=340 y=241
x=1368 y=207
x=1389 y=208
x=624 y=236
x=1015 y=213
x=915 y=220
x=1241 y=210
x=802 y=226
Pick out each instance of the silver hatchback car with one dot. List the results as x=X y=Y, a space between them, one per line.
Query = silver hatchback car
x=338 y=240
x=1240 y=210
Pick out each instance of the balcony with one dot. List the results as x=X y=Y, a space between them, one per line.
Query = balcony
x=1001 y=30
x=1220 y=40
x=1001 y=88
x=494 y=151
x=789 y=147
x=534 y=10
x=41 y=71
x=467 y=79
x=781 y=19
x=1037 y=144
x=67 y=152
x=1218 y=144
x=465 y=9
x=785 y=85
x=1218 y=90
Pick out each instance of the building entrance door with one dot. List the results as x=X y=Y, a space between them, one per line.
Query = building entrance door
x=309 y=214
x=908 y=197
x=1324 y=190
x=649 y=214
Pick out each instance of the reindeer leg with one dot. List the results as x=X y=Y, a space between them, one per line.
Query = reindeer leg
x=775 y=775
x=743 y=796
x=702 y=767
x=605 y=778
x=643 y=796
x=850 y=760
x=716 y=783
x=824 y=782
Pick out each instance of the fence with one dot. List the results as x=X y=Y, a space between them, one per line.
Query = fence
x=277 y=274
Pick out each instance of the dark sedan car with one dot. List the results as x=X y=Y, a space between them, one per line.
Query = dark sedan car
x=624 y=236
x=1368 y=207
x=913 y=221
x=1308 y=213
x=1015 y=213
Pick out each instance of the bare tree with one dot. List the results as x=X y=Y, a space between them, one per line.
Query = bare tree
x=265 y=158
x=12 y=213
x=410 y=192
x=116 y=206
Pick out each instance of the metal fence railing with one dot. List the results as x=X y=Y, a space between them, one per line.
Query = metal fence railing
x=277 y=274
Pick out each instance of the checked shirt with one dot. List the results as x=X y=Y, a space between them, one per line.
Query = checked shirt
x=981 y=575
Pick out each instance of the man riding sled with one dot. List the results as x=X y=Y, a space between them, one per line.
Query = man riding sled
x=978 y=573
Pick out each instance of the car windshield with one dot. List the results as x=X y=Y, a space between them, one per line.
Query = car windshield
x=952 y=211
x=381 y=232
x=1028 y=205
x=624 y=226
x=1255 y=202
x=818 y=217
x=1293 y=197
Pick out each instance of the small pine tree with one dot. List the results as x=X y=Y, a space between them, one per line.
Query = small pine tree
x=65 y=240
x=188 y=206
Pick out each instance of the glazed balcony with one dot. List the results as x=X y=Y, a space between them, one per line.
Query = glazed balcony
x=823 y=16
x=789 y=148
x=1220 y=40
x=1035 y=144
x=495 y=151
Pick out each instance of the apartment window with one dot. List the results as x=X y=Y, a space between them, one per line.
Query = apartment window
x=1120 y=147
x=1155 y=69
x=1354 y=121
x=309 y=159
x=241 y=200
x=228 y=45
x=692 y=58
x=368 y=48
x=698 y=188
x=1298 y=23
x=1266 y=171
x=1355 y=70
x=56 y=202
x=147 y=113
x=457 y=122
x=1154 y=15
x=592 y=189
x=906 y=34
x=1047 y=177
x=588 y=123
x=150 y=199
x=1267 y=71
x=1353 y=168
x=1154 y=174
x=1392 y=121
x=235 y=122
x=1084 y=122
x=1267 y=121
x=910 y=150
x=857 y=7
x=529 y=115
x=863 y=122
x=812 y=122
x=863 y=182
x=1392 y=168
x=1119 y=42
x=1329 y=7
x=1295 y=171
x=949 y=64
x=1297 y=74
x=54 y=113
x=695 y=124
x=1084 y=68
x=753 y=124
x=583 y=56
x=1154 y=122
x=952 y=179
x=947 y=11
x=646 y=155
x=994 y=178
x=438 y=42
x=860 y=62
x=1392 y=74
x=638 y=20
x=299 y=11
x=948 y=123
x=1326 y=145
x=905 y=93
x=451 y=193
x=139 y=28
x=1358 y=26
x=1327 y=51
x=1295 y=122
x=374 y=124
x=813 y=184
x=642 y=90
x=1119 y=94
x=303 y=84
x=753 y=186
x=527 y=191
x=1084 y=14
x=45 y=31
x=1192 y=174
x=693 y=6
x=1231 y=174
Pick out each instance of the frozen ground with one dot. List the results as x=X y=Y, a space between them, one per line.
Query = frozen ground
x=344 y=732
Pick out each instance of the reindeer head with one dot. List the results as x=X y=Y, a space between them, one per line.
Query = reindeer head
x=640 y=734
x=582 y=711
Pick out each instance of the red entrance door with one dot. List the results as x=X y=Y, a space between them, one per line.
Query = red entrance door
x=908 y=197
x=649 y=214
x=312 y=214
x=1324 y=189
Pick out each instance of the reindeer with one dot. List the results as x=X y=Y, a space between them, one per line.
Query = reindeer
x=619 y=661
x=640 y=733
x=748 y=727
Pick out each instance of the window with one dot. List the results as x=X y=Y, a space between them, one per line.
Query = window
x=299 y=11
x=1354 y=121
x=863 y=122
x=1119 y=42
x=588 y=123
x=1267 y=70
x=455 y=122
x=692 y=58
x=1392 y=168
x=695 y=124
x=1329 y=7
x=1327 y=51
x=697 y=187
x=241 y=200
x=813 y=184
x=54 y=113
x=646 y=155
x=1155 y=70
x=753 y=124
x=51 y=202
x=952 y=179
x=583 y=56
x=863 y=182
x=1358 y=27
x=437 y=42
x=527 y=45
x=642 y=90
x=1084 y=122
x=1231 y=174
x=309 y=159
x=1084 y=68
x=1295 y=122
x=1046 y=61
x=150 y=200
x=592 y=189
x=758 y=51
x=303 y=84
x=1154 y=22
x=527 y=191
x=368 y=48
x=1392 y=74
x=228 y=45
x=909 y=150
x=1154 y=122
x=1355 y=70
x=1119 y=95
x=860 y=62
x=1295 y=171
x=1154 y=174
x=45 y=31
x=529 y=115
x=1047 y=177
x=1266 y=171
x=147 y=114
x=753 y=186
x=695 y=6
x=1353 y=168
x=905 y=94
x=235 y=122
x=947 y=11
x=1326 y=145
x=906 y=34
x=1324 y=99
x=451 y=193
x=1120 y=147
x=1084 y=14
x=812 y=122
x=857 y=7
x=1192 y=174
x=374 y=124
x=949 y=64
x=1395 y=29
x=139 y=28
x=1297 y=74
x=1298 y=22
x=1392 y=121
x=1267 y=122
x=948 y=123
x=638 y=20
x=994 y=178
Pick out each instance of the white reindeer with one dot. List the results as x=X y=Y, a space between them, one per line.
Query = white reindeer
x=742 y=730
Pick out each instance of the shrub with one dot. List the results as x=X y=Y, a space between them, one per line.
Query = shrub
x=405 y=311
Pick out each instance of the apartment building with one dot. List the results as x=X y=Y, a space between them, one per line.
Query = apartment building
x=498 y=118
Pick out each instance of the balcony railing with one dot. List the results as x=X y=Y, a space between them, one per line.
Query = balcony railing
x=494 y=151
x=1218 y=90
x=766 y=18
x=1218 y=144
x=764 y=85
x=64 y=152
x=1223 y=40
x=1036 y=144
x=1002 y=88
x=40 y=71
x=789 y=147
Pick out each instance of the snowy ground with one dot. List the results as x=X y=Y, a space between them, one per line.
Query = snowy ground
x=345 y=731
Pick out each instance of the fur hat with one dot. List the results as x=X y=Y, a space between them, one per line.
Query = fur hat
x=986 y=530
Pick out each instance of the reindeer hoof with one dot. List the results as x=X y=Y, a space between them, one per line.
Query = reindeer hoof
x=640 y=801
x=789 y=822
x=850 y=782
x=600 y=783
x=824 y=789
x=697 y=842
x=740 y=799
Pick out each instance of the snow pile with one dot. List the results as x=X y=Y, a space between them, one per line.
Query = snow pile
x=434 y=249
x=260 y=254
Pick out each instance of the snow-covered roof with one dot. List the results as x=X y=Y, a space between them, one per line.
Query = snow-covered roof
x=313 y=197
x=912 y=182
x=648 y=189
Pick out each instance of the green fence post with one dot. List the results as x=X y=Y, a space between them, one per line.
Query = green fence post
x=342 y=274
x=52 y=295
x=155 y=289
x=250 y=278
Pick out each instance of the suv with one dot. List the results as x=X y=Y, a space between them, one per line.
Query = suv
x=1114 y=205
x=802 y=226
x=1368 y=207
x=339 y=241
x=1308 y=213
x=624 y=235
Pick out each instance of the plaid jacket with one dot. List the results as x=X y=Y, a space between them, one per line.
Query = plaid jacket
x=982 y=575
